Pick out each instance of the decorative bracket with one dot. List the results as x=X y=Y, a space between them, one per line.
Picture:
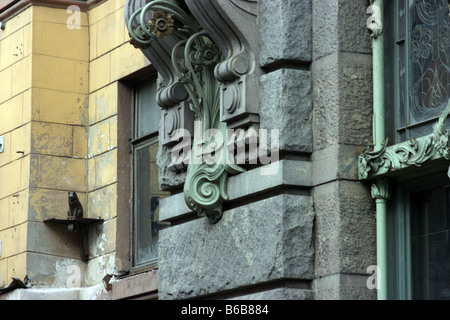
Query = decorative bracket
x=410 y=153
x=166 y=28
x=380 y=190
x=375 y=22
x=79 y=226
x=238 y=73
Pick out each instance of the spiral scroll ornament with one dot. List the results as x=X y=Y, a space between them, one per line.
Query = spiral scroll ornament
x=194 y=58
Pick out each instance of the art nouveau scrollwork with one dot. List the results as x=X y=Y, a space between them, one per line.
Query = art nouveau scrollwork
x=232 y=26
x=203 y=62
x=157 y=47
x=410 y=153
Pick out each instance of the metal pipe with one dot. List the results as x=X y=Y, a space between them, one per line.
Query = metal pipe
x=379 y=136
x=381 y=249
x=379 y=132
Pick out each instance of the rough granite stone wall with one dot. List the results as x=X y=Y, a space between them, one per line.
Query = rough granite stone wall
x=342 y=96
x=265 y=239
x=315 y=238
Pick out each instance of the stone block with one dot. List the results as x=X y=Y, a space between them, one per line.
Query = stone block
x=102 y=170
x=60 y=73
x=102 y=238
x=104 y=9
x=102 y=202
x=10 y=173
x=17 y=265
x=4 y=213
x=18 y=208
x=93 y=36
x=99 y=138
x=20 y=141
x=286 y=105
x=14 y=239
x=340 y=25
x=125 y=60
x=58 y=173
x=19 y=21
x=55 y=271
x=356 y=99
x=325 y=27
x=80 y=142
x=343 y=287
x=338 y=161
x=21 y=75
x=47 y=203
x=6 y=80
x=353 y=34
x=55 y=240
x=342 y=94
x=25 y=175
x=98 y=267
x=100 y=72
x=59 y=106
x=51 y=139
x=110 y=29
x=12 y=113
x=103 y=103
x=11 y=49
x=325 y=74
x=285 y=30
x=55 y=39
x=345 y=228
x=192 y=256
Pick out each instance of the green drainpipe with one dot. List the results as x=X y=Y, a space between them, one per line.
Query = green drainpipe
x=380 y=188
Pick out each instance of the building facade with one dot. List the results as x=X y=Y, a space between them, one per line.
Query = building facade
x=224 y=149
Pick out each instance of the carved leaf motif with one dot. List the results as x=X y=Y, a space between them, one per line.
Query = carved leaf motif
x=411 y=153
x=193 y=59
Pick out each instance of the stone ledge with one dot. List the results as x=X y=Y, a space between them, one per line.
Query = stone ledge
x=289 y=173
x=279 y=294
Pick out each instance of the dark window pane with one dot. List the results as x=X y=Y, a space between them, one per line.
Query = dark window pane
x=147 y=196
x=147 y=112
x=430 y=244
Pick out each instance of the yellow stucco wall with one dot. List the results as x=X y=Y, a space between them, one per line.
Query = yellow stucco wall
x=58 y=101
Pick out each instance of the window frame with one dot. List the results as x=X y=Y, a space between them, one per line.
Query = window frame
x=396 y=131
x=399 y=230
x=137 y=143
x=388 y=166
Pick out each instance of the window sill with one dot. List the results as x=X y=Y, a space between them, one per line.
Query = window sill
x=393 y=160
x=134 y=285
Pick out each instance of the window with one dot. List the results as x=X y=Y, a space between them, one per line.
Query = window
x=417 y=66
x=417 y=75
x=146 y=193
x=419 y=239
x=430 y=243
